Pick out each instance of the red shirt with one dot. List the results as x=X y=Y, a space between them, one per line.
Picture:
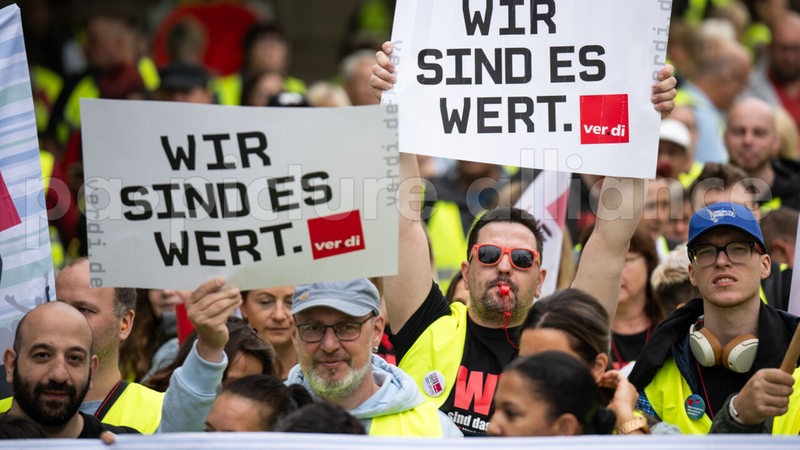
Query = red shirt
x=791 y=103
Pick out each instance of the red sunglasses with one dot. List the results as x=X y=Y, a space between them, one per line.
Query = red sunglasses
x=521 y=258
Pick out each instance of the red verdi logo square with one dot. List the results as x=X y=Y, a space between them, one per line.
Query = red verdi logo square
x=604 y=119
x=336 y=234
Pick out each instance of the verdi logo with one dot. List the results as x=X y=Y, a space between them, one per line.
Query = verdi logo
x=604 y=119
x=336 y=234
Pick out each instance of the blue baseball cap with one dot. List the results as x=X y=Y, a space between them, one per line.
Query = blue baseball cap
x=355 y=298
x=724 y=214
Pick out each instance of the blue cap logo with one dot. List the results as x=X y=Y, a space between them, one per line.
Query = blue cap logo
x=726 y=214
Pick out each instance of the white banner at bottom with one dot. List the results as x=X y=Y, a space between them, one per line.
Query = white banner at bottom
x=295 y=441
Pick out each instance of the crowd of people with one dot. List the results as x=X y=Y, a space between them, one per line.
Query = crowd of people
x=670 y=314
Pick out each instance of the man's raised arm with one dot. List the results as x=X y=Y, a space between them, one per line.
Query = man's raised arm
x=603 y=258
x=618 y=213
x=407 y=290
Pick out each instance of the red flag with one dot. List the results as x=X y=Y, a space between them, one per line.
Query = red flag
x=8 y=212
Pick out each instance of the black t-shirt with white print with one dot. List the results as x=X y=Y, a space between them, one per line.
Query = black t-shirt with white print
x=486 y=353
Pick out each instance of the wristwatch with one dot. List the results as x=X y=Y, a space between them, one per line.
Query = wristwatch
x=637 y=423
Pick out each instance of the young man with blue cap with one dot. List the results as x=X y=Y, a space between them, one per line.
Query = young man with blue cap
x=712 y=348
x=338 y=326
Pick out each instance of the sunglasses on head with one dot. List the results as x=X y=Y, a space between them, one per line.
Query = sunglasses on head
x=521 y=258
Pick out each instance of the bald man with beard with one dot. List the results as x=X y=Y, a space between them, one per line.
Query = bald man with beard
x=50 y=368
x=752 y=139
x=776 y=77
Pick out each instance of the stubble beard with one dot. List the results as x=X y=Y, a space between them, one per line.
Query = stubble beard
x=491 y=309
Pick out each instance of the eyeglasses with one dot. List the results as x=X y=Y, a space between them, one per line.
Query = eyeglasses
x=521 y=258
x=738 y=252
x=344 y=331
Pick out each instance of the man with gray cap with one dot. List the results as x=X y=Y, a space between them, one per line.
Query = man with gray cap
x=726 y=342
x=338 y=327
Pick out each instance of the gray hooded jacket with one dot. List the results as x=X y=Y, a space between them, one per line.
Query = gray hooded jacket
x=398 y=392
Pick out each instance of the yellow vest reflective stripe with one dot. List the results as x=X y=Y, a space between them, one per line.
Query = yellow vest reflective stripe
x=440 y=347
x=421 y=421
x=448 y=243
x=138 y=407
x=667 y=393
x=789 y=423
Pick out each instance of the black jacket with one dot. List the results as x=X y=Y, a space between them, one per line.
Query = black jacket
x=671 y=338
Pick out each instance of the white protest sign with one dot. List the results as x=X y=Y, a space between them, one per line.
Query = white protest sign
x=177 y=193
x=502 y=81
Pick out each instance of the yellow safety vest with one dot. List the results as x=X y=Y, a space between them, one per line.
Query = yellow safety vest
x=149 y=73
x=87 y=88
x=71 y=120
x=440 y=347
x=421 y=421
x=47 y=161
x=686 y=179
x=771 y=205
x=137 y=407
x=756 y=36
x=696 y=9
x=668 y=391
x=228 y=89
x=48 y=84
x=448 y=242
x=789 y=423
x=374 y=18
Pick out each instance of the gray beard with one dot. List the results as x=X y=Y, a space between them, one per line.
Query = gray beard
x=337 y=389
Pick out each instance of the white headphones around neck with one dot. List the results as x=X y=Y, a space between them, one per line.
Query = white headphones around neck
x=737 y=356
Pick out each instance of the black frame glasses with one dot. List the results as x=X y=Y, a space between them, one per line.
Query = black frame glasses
x=491 y=254
x=314 y=332
x=738 y=252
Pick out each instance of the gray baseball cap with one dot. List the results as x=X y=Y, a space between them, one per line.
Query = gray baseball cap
x=356 y=298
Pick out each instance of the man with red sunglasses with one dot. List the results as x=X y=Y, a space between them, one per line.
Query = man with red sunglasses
x=457 y=353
